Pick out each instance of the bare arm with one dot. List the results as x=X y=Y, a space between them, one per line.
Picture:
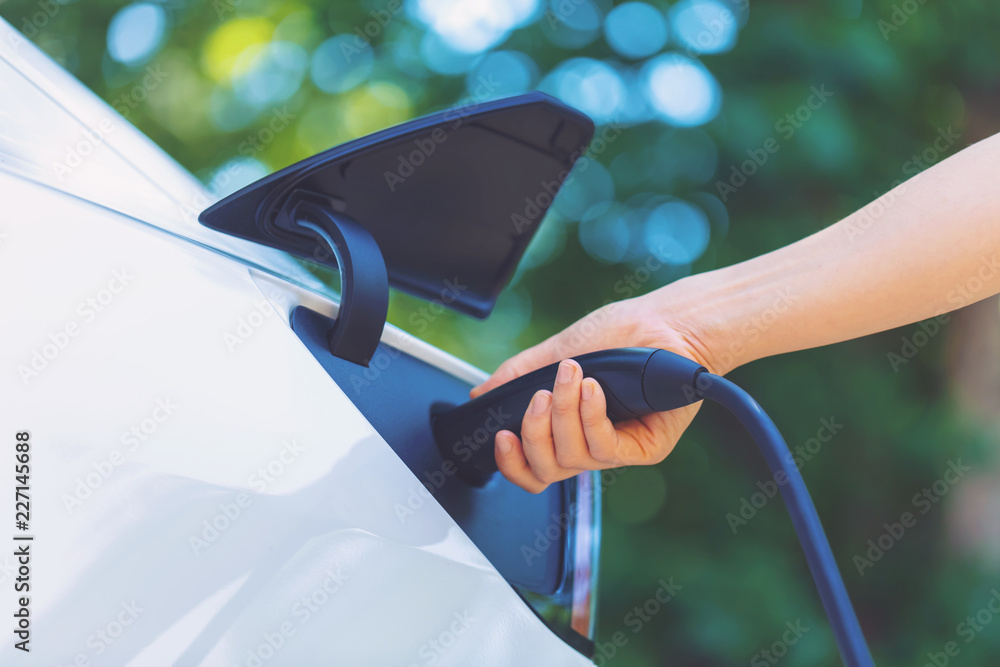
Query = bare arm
x=929 y=246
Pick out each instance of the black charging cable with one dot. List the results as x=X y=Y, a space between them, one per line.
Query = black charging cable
x=641 y=381
x=837 y=604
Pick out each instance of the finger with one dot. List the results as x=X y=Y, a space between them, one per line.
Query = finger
x=521 y=363
x=513 y=465
x=567 y=427
x=602 y=439
x=536 y=440
x=664 y=430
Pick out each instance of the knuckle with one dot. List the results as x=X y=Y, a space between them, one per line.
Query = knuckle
x=547 y=476
x=505 y=463
x=659 y=454
x=509 y=470
x=535 y=432
x=603 y=453
x=592 y=420
x=568 y=459
x=562 y=407
x=507 y=369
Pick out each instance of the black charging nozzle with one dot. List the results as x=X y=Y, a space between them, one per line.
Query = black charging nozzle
x=636 y=381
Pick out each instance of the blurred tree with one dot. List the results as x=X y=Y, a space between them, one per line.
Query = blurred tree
x=855 y=98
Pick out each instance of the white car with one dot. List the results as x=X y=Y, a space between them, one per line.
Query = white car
x=188 y=480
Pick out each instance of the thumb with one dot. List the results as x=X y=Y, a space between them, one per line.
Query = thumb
x=540 y=355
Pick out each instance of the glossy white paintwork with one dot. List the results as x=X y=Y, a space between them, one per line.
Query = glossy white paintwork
x=150 y=425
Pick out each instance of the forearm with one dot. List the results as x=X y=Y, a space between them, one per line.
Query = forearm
x=927 y=247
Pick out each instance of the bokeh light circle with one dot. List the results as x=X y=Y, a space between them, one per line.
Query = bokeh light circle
x=594 y=87
x=704 y=26
x=572 y=24
x=635 y=30
x=136 y=32
x=341 y=63
x=501 y=74
x=473 y=26
x=606 y=236
x=443 y=58
x=588 y=187
x=273 y=74
x=676 y=232
x=681 y=90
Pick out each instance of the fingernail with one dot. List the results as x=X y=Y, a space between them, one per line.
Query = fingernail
x=565 y=373
x=540 y=403
x=503 y=443
x=587 y=390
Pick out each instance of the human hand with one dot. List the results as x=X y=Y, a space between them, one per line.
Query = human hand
x=566 y=430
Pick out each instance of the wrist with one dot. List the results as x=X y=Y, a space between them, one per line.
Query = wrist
x=708 y=311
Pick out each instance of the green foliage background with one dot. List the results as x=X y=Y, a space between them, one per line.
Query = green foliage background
x=892 y=94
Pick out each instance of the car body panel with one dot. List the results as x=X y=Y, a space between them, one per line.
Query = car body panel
x=201 y=492
x=54 y=131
